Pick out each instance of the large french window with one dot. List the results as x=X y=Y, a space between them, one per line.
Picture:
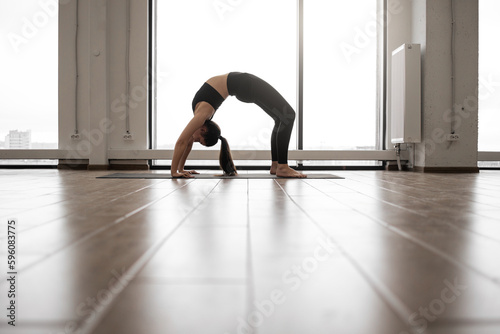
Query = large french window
x=340 y=74
x=198 y=39
x=489 y=79
x=29 y=67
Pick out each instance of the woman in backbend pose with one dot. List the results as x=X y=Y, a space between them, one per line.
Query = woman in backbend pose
x=246 y=88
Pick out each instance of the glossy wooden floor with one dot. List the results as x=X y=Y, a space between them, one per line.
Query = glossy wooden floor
x=376 y=252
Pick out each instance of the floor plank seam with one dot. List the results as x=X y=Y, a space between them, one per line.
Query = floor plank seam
x=250 y=289
x=190 y=280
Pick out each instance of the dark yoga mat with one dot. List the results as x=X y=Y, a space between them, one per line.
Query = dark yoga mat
x=209 y=176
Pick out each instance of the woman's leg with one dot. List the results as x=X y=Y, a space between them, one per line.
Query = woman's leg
x=280 y=139
x=274 y=147
x=273 y=103
x=251 y=89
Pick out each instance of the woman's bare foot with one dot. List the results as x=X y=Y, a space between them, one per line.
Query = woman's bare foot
x=284 y=170
x=274 y=167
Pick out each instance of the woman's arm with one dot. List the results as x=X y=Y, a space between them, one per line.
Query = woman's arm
x=185 y=156
x=185 y=138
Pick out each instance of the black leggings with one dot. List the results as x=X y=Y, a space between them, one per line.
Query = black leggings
x=251 y=89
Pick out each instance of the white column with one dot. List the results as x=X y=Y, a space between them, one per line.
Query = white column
x=73 y=59
x=436 y=152
x=138 y=74
x=98 y=83
x=428 y=23
x=98 y=51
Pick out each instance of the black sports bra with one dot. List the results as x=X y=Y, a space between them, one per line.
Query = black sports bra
x=208 y=94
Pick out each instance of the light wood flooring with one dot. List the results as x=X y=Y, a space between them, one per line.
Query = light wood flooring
x=376 y=252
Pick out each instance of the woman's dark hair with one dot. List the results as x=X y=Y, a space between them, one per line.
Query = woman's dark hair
x=225 y=158
x=211 y=136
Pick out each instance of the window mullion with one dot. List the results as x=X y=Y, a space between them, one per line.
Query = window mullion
x=300 y=76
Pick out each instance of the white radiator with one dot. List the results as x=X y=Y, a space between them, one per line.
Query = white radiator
x=405 y=95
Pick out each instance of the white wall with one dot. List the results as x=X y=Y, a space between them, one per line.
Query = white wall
x=428 y=22
x=138 y=73
x=437 y=85
x=102 y=31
